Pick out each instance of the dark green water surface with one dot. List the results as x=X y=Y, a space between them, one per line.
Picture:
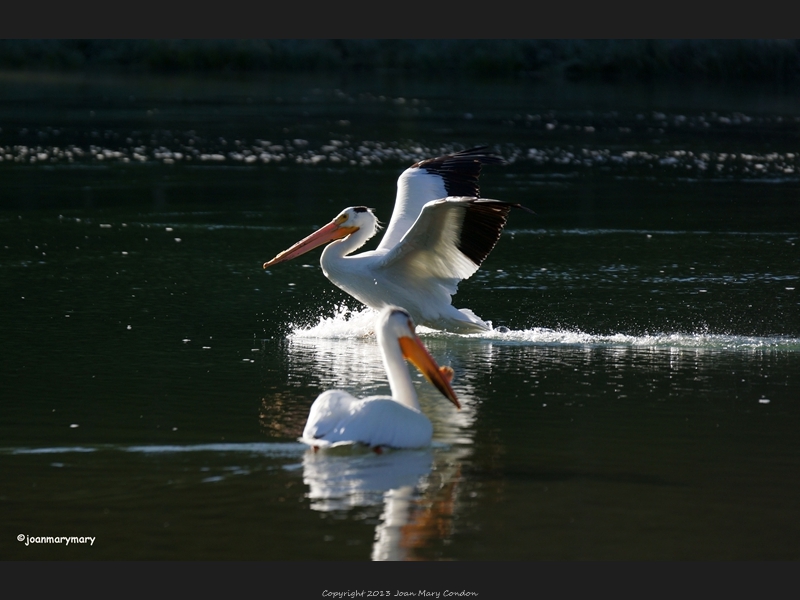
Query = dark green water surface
x=643 y=403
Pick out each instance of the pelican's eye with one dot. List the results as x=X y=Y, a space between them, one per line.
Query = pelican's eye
x=341 y=219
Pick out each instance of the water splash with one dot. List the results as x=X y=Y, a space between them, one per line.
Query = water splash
x=680 y=340
x=347 y=323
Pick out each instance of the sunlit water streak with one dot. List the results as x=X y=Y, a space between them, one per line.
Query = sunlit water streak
x=186 y=148
x=256 y=448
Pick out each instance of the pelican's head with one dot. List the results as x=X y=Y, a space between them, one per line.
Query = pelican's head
x=394 y=323
x=347 y=222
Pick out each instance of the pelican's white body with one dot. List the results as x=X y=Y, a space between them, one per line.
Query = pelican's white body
x=337 y=417
x=420 y=272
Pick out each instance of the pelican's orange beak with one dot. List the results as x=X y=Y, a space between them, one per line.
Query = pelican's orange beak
x=331 y=231
x=416 y=352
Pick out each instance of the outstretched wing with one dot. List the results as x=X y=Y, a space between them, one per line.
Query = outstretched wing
x=448 y=242
x=450 y=175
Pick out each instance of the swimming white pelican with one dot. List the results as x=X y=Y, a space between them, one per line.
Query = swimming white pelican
x=440 y=233
x=337 y=417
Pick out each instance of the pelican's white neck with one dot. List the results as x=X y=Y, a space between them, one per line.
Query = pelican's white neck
x=343 y=247
x=397 y=370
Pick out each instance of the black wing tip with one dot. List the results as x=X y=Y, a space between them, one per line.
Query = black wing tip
x=460 y=170
x=475 y=157
x=499 y=202
x=482 y=154
x=484 y=221
x=481 y=229
x=521 y=207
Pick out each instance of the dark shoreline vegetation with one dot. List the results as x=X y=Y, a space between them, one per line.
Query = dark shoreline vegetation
x=767 y=60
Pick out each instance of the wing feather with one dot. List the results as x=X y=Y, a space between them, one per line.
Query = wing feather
x=432 y=179
x=449 y=241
